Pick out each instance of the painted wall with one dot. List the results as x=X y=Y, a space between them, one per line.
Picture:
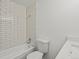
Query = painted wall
x=55 y=20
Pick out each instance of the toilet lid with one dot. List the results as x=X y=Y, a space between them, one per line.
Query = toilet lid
x=35 y=55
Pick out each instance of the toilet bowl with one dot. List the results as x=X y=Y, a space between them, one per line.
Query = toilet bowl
x=42 y=49
x=35 y=55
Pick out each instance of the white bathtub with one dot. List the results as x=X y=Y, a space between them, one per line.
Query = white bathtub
x=18 y=52
x=70 y=50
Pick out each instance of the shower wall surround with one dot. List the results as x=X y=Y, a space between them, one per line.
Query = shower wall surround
x=31 y=22
x=12 y=24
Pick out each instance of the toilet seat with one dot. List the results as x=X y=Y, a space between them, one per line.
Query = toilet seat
x=35 y=55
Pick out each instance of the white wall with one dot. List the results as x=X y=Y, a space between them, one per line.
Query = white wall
x=55 y=20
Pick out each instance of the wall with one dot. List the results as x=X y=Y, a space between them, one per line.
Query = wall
x=55 y=20
x=31 y=22
x=25 y=3
x=17 y=23
x=12 y=24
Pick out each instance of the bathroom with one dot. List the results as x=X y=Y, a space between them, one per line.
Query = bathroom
x=30 y=20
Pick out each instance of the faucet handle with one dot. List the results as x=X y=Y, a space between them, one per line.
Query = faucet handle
x=28 y=41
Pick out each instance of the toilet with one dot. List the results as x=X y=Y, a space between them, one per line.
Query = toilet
x=35 y=55
x=42 y=49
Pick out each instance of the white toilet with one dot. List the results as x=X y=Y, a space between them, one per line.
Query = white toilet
x=42 y=48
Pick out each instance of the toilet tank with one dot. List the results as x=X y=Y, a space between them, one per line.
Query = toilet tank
x=42 y=45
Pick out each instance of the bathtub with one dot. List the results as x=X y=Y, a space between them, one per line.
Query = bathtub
x=70 y=50
x=18 y=52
